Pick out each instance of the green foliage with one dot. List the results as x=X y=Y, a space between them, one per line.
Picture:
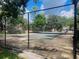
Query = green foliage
x=24 y=23
x=53 y=23
x=59 y=27
x=8 y=55
x=35 y=7
x=12 y=27
x=12 y=30
x=58 y=22
x=39 y=22
x=11 y=10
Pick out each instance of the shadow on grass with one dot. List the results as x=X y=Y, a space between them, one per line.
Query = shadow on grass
x=5 y=54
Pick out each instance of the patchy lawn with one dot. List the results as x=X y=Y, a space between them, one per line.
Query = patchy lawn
x=5 y=54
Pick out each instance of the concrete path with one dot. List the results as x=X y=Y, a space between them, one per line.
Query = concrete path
x=29 y=55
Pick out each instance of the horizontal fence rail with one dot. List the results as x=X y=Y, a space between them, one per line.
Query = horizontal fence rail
x=50 y=8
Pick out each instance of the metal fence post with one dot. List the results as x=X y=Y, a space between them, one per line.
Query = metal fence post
x=28 y=32
x=75 y=30
x=5 y=32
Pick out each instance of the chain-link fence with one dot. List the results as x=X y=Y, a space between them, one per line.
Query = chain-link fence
x=47 y=32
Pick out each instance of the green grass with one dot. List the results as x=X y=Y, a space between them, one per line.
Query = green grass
x=7 y=55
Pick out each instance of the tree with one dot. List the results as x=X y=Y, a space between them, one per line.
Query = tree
x=11 y=9
x=57 y=22
x=53 y=23
x=35 y=7
x=19 y=27
x=39 y=22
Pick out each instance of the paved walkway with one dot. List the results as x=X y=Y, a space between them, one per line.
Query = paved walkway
x=29 y=55
x=63 y=45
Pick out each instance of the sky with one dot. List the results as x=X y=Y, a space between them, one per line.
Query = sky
x=43 y=4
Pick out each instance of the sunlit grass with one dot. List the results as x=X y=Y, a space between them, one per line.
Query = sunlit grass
x=5 y=54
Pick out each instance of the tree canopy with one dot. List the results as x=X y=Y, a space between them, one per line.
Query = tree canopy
x=10 y=10
x=39 y=22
